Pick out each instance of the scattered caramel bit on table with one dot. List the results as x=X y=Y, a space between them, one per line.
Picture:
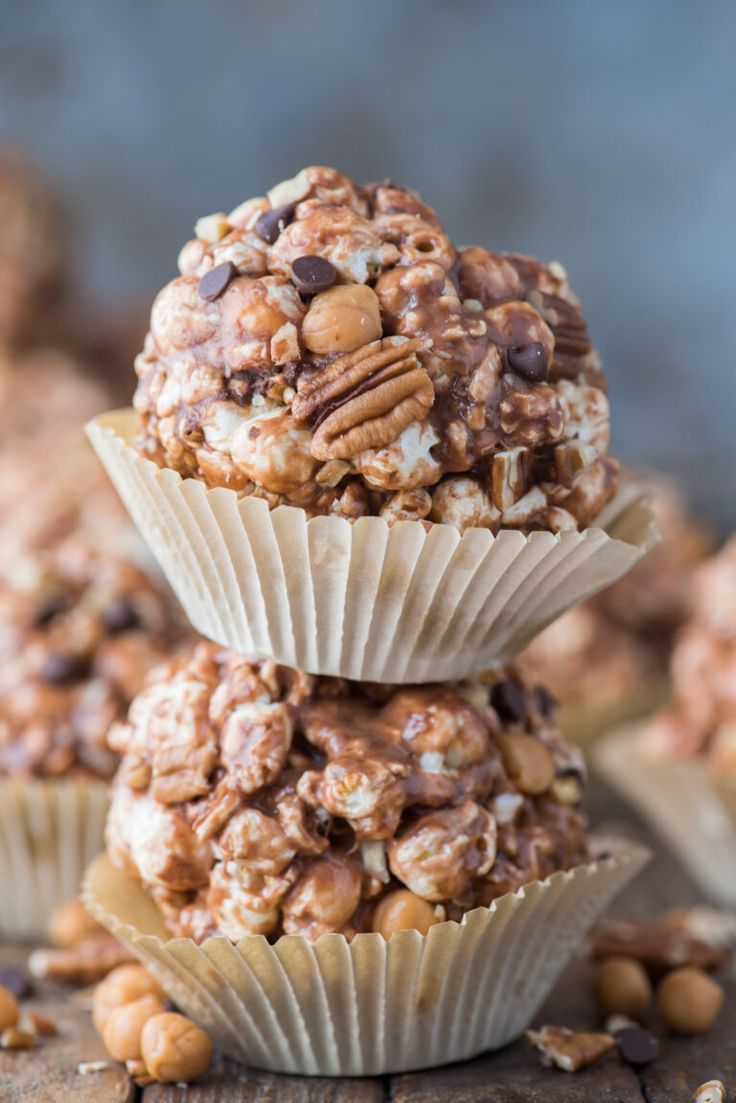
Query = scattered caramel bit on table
x=712 y=1091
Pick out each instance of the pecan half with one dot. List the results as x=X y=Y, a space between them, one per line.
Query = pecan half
x=364 y=399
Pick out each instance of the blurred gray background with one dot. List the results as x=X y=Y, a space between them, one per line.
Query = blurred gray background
x=600 y=134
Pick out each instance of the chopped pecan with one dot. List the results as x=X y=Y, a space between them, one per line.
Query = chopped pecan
x=364 y=399
x=570 y=459
x=509 y=475
x=568 y=1049
x=656 y=945
x=86 y=963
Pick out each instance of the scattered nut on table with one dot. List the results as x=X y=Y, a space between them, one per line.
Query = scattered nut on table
x=70 y=923
x=712 y=1091
x=569 y=1049
x=9 y=1009
x=174 y=1048
x=688 y=1000
x=621 y=986
x=122 y=1031
x=122 y=986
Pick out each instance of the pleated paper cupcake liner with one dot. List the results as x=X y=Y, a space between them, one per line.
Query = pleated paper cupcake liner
x=49 y=833
x=687 y=802
x=368 y=600
x=365 y=1007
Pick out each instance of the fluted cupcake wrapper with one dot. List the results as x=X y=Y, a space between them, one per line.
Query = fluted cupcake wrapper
x=406 y=602
x=365 y=1007
x=50 y=830
x=685 y=800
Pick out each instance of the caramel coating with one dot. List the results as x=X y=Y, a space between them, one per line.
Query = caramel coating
x=689 y=1000
x=174 y=1048
x=9 y=1009
x=402 y=910
x=122 y=1031
x=124 y=985
x=504 y=365
x=80 y=631
x=621 y=987
x=342 y=319
x=528 y=762
x=253 y=799
x=70 y=923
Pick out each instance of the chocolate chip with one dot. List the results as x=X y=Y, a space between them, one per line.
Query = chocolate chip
x=636 y=1046
x=214 y=282
x=61 y=667
x=121 y=615
x=529 y=361
x=545 y=701
x=49 y=608
x=312 y=274
x=271 y=223
x=17 y=981
x=509 y=701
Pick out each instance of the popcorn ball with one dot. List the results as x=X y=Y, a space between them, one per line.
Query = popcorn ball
x=702 y=717
x=254 y=799
x=328 y=347
x=79 y=632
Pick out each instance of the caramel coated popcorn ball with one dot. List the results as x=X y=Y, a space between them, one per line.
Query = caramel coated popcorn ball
x=702 y=717
x=79 y=631
x=328 y=347
x=253 y=799
x=174 y=1048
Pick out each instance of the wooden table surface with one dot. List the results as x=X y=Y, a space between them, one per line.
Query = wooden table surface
x=49 y=1073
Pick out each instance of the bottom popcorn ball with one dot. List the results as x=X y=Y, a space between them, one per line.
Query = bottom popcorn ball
x=252 y=799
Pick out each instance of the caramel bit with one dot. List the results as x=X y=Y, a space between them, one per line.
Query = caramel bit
x=568 y=1049
x=82 y=964
x=330 y=806
x=505 y=390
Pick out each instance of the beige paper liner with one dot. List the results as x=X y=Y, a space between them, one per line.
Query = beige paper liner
x=49 y=833
x=339 y=1008
x=368 y=600
x=684 y=800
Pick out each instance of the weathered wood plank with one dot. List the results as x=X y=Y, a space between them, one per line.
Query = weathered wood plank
x=49 y=1073
x=227 y=1082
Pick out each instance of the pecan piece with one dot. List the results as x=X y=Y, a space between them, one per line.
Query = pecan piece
x=509 y=476
x=364 y=399
x=568 y=1049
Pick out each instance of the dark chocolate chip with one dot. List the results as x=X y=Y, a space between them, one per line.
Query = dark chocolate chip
x=312 y=274
x=49 y=608
x=17 y=981
x=529 y=361
x=636 y=1046
x=61 y=667
x=121 y=615
x=545 y=701
x=271 y=223
x=509 y=701
x=214 y=282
